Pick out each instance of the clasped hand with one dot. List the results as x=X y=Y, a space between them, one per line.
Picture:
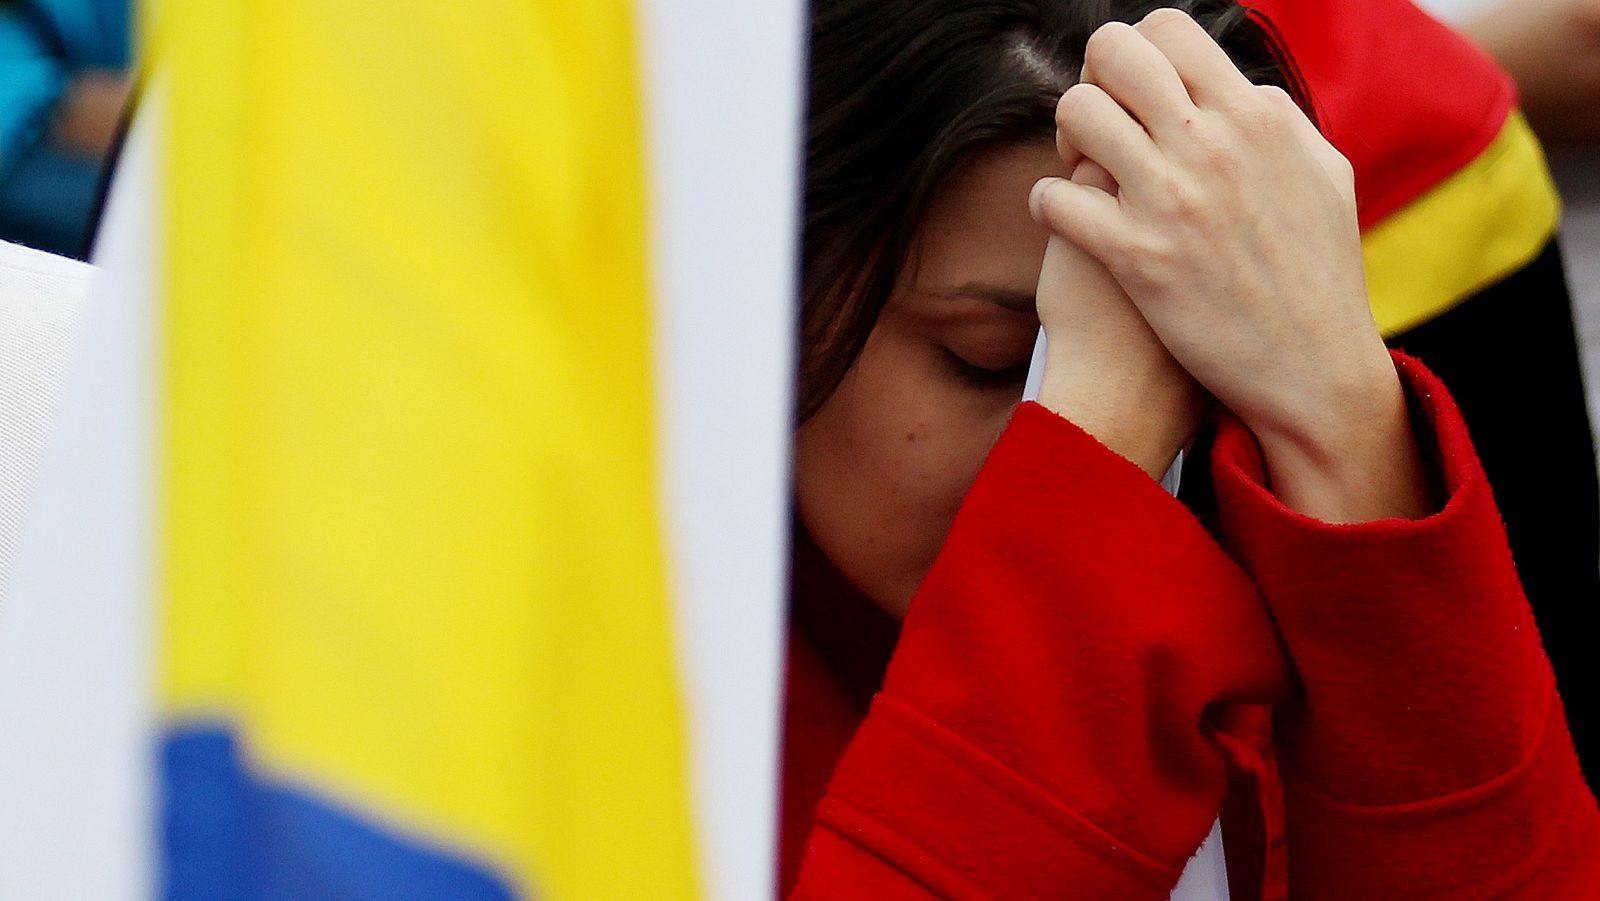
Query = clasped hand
x=1223 y=226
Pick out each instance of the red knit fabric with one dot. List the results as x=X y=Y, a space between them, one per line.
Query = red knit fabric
x=1081 y=674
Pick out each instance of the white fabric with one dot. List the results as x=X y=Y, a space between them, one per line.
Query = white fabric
x=76 y=686
x=41 y=299
x=723 y=82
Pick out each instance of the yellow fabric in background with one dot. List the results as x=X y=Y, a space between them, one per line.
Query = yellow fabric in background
x=1471 y=230
x=413 y=551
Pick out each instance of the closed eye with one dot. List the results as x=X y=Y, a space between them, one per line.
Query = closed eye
x=984 y=377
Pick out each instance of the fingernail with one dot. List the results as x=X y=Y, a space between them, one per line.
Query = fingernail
x=1036 y=196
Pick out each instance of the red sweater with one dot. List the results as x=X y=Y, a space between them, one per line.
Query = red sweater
x=1081 y=676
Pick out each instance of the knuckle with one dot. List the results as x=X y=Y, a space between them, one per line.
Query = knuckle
x=1276 y=96
x=1344 y=179
x=1340 y=162
x=1260 y=116
x=1075 y=104
x=1185 y=202
x=1102 y=44
x=1214 y=146
x=1342 y=168
x=1142 y=265
x=1165 y=18
x=1269 y=109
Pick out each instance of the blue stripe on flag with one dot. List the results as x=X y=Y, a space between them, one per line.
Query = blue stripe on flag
x=231 y=836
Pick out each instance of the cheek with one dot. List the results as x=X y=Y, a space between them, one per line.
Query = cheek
x=881 y=469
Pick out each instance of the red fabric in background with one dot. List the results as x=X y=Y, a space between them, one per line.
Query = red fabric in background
x=1406 y=99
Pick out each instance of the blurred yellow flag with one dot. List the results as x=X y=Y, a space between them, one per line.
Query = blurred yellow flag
x=416 y=619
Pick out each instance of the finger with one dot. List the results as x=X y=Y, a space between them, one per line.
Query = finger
x=1285 y=109
x=1332 y=161
x=1137 y=75
x=1070 y=156
x=1086 y=216
x=1090 y=124
x=1210 y=77
x=1093 y=175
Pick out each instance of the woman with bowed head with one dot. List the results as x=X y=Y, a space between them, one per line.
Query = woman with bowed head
x=1021 y=669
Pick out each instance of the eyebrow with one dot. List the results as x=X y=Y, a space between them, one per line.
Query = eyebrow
x=999 y=295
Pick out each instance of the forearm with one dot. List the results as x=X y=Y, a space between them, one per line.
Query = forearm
x=1105 y=370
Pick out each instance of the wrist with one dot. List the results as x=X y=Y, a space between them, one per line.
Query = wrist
x=1355 y=463
x=1321 y=419
x=1145 y=421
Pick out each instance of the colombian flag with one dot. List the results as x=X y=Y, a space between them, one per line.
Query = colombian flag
x=424 y=597
x=417 y=624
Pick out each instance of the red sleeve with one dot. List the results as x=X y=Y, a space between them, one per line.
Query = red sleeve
x=1047 y=720
x=1429 y=757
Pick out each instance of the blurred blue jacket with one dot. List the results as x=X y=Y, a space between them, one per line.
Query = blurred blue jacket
x=42 y=42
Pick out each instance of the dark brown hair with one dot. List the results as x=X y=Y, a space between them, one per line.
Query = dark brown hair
x=902 y=94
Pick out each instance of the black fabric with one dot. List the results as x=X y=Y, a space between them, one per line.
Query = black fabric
x=1509 y=355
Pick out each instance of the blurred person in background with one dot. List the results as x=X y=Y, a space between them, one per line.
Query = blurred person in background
x=63 y=87
x=1552 y=49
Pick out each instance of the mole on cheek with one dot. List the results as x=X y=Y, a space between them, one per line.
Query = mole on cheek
x=911 y=436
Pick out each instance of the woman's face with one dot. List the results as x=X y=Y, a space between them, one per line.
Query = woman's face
x=881 y=468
